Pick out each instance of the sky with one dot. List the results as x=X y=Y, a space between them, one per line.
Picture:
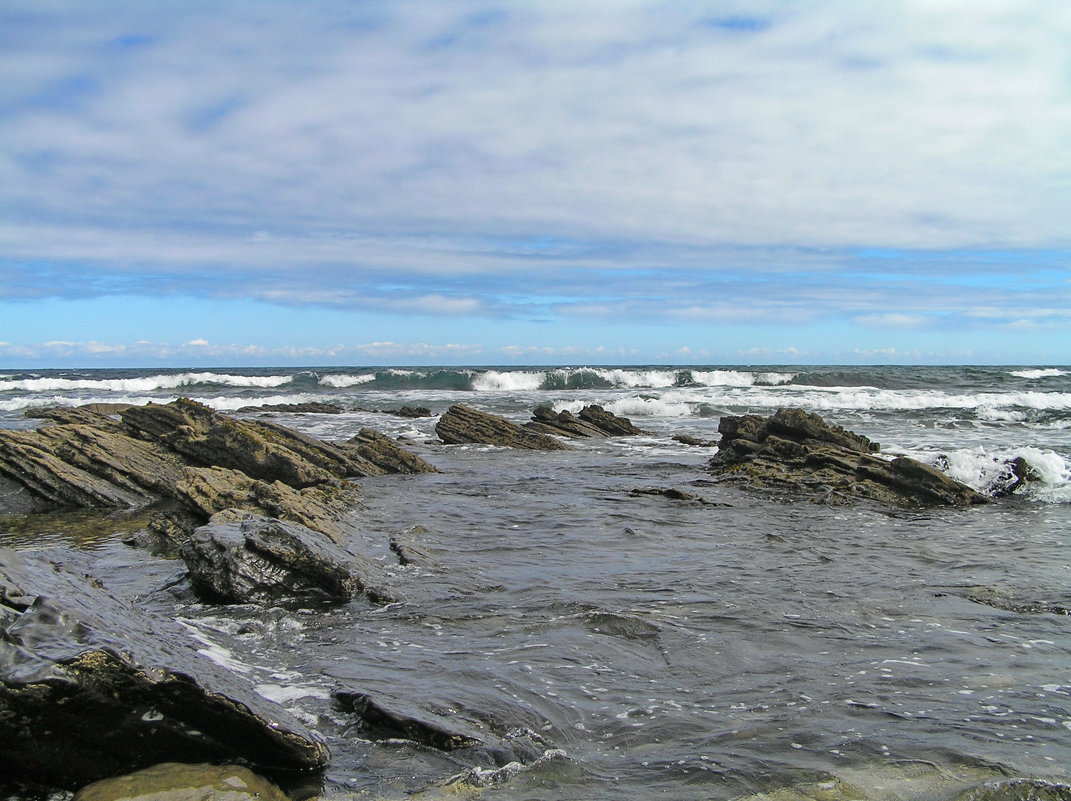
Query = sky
x=376 y=182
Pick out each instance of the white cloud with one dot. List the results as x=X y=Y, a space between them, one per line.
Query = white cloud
x=892 y=320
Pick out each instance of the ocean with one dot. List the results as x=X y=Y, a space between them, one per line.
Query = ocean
x=658 y=648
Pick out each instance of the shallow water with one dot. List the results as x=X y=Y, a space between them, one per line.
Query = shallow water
x=659 y=648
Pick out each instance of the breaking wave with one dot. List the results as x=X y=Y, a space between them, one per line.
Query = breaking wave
x=144 y=384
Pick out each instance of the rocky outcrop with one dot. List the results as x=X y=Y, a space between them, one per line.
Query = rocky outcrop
x=183 y=451
x=591 y=421
x=313 y=407
x=386 y=455
x=92 y=687
x=171 y=781
x=92 y=413
x=463 y=425
x=247 y=558
x=800 y=453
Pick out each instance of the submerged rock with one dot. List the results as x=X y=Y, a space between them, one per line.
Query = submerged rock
x=464 y=425
x=246 y=558
x=1013 y=600
x=802 y=454
x=314 y=407
x=171 y=781
x=92 y=687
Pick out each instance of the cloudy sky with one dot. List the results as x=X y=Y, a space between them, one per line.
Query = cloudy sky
x=546 y=182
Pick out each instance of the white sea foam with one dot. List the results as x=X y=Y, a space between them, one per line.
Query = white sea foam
x=510 y=381
x=1045 y=372
x=285 y=694
x=988 y=471
x=639 y=378
x=220 y=403
x=340 y=381
x=739 y=378
x=144 y=384
x=871 y=398
x=650 y=407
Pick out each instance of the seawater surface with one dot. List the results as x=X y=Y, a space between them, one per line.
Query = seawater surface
x=652 y=647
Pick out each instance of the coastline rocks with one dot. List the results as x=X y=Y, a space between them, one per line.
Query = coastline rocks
x=384 y=454
x=800 y=453
x=462 y=425
x=591 y=421
x=247 y=558
x=171 y=781
x=313 y=407
x=92 y=687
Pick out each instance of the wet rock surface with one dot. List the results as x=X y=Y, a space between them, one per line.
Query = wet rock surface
x=463 y=425
x=386 y=455
x=799 y=453
x=591 y=421
x=246 y=558
x=172 y=781
x=92 y=687
x=293 y=408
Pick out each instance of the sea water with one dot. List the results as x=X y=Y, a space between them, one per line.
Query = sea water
x=654 y=647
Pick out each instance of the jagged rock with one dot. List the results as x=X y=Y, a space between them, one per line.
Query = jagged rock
x=171 y=781
x=259 y=449
x=463 y=424
x=800 y=453
x=207 y=490
x=313 y=407
x=385 y=454
x=241 y=557
x=91 y=413
x=685 y=439
x=411 y=412
x=92 y=687
x=591 y=421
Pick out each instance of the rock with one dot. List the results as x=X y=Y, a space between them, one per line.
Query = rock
x=93 y=687
x=1018 y=790
x=207 y=490
x=384 y=720
x=171 y=781
x=293 y=408
x=248 y=558
x=1012 y=600
x=261 y=450
x=91 y=413
x=674 y=495
x=411 y=412
x=463 y=424
x=800 y=453
x=385 y=454
x=409 y=552
x=685 y=439
x=591 y=421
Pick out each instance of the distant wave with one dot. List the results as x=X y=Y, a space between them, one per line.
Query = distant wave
x=144 y=384
x=342 y=381
x=1046 y=372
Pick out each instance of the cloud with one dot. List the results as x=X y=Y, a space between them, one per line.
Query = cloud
x=891 y=320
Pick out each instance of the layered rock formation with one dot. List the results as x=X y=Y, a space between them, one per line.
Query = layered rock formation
x=800 y=453
x=591 y=421
x=206 y=461
x=462 y=425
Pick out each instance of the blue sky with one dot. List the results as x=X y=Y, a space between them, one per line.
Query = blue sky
x=249 y=182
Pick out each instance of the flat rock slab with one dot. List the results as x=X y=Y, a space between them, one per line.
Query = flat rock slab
x=92 y=687
x=799 y=453
x=462 y=425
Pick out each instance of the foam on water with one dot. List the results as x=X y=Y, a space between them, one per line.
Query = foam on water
x=342 y=381
x=988 y=470
x=1046 y=372
x=512 y=381
x=738 y=378
x=144 y=384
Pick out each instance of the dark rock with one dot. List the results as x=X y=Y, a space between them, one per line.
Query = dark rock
x=411 y=412
x=685 y=439
x=464 y=425
x=385 y=454
x=801 y=454
x=246 y=558
x=293 y=408
x=591 y=421
x=387 y=720
x=92 y=687
x=674 y=495
x=90 y=413
x=406 y=546
x=1018 y=790
x=171 y=781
